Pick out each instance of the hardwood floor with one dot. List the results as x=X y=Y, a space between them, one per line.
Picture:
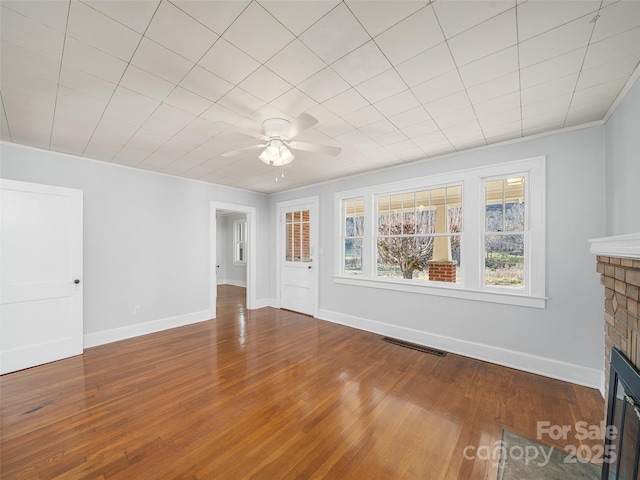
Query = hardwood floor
x=270 y=394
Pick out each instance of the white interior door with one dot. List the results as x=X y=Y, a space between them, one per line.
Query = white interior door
x=40 y=274
x=297 y=274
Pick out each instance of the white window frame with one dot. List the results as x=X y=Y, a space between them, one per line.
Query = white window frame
x=236 y=241
x=471 y=286
x=344 y=237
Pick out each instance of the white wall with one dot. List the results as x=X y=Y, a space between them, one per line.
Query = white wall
x=229 y=272
x=564 y=340
x=146 y=240
x=623 y=166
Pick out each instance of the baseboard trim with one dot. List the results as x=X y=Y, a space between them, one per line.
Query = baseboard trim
x=265 y=302
x=130 y=331
x=588 y=377
x=234 y=283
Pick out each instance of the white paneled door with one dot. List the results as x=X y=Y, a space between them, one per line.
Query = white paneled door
x=40 y=274
x=297 y=269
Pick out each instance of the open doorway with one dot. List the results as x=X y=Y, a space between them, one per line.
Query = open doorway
x=231 y=261
x=233 y=256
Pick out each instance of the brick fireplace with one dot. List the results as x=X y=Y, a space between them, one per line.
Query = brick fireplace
x=618 y=262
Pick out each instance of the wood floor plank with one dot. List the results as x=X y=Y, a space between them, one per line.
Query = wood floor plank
x=270 y=394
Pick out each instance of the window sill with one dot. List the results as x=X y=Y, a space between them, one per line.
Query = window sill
x=443 y=290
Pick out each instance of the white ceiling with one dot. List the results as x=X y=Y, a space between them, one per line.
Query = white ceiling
x=157 y=84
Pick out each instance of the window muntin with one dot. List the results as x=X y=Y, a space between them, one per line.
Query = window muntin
x=417 y=227
x=240 y=241
x=353 y=232
x=297 y=236
x=505 y=232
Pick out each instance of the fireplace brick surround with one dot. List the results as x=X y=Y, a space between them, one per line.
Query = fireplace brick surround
x=618 y=262
x=621 y=280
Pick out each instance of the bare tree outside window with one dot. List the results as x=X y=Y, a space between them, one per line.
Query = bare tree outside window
x=409 y=253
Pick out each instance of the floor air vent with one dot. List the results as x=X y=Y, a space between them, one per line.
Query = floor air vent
x=415 y=346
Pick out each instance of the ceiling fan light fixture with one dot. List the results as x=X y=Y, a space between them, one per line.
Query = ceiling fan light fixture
x=264 y=157
x=273 y=148
x=276 y=154
x=285 y=155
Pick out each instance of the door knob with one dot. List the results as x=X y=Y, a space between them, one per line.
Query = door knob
x=309 y=267
x=76 y=281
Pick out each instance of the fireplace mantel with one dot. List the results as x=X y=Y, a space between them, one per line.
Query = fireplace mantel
x=620 y=246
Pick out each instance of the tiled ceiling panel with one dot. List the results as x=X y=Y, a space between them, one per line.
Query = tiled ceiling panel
x=172 y=85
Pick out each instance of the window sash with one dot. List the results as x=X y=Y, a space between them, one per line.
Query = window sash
x=350 y=265
x=240 y=241
x=485 y=283
x=408 y=206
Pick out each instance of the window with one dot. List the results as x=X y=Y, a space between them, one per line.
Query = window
x=240 y=241
x=416 y=229
x=504 y=232
x=352 y=235
x=415 y=235
x=297 y=230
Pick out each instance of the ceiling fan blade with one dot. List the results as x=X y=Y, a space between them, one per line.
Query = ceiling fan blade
x=248 y=133
x=299 y=125
x=312 y=147
x=233 y=153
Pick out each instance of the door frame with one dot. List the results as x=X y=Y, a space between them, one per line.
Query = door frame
x=315 y=224
x=250 y=212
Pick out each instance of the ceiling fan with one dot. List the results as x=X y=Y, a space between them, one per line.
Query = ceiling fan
x=278 y=135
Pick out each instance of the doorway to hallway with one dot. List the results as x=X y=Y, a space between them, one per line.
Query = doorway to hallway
x=238 y=246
